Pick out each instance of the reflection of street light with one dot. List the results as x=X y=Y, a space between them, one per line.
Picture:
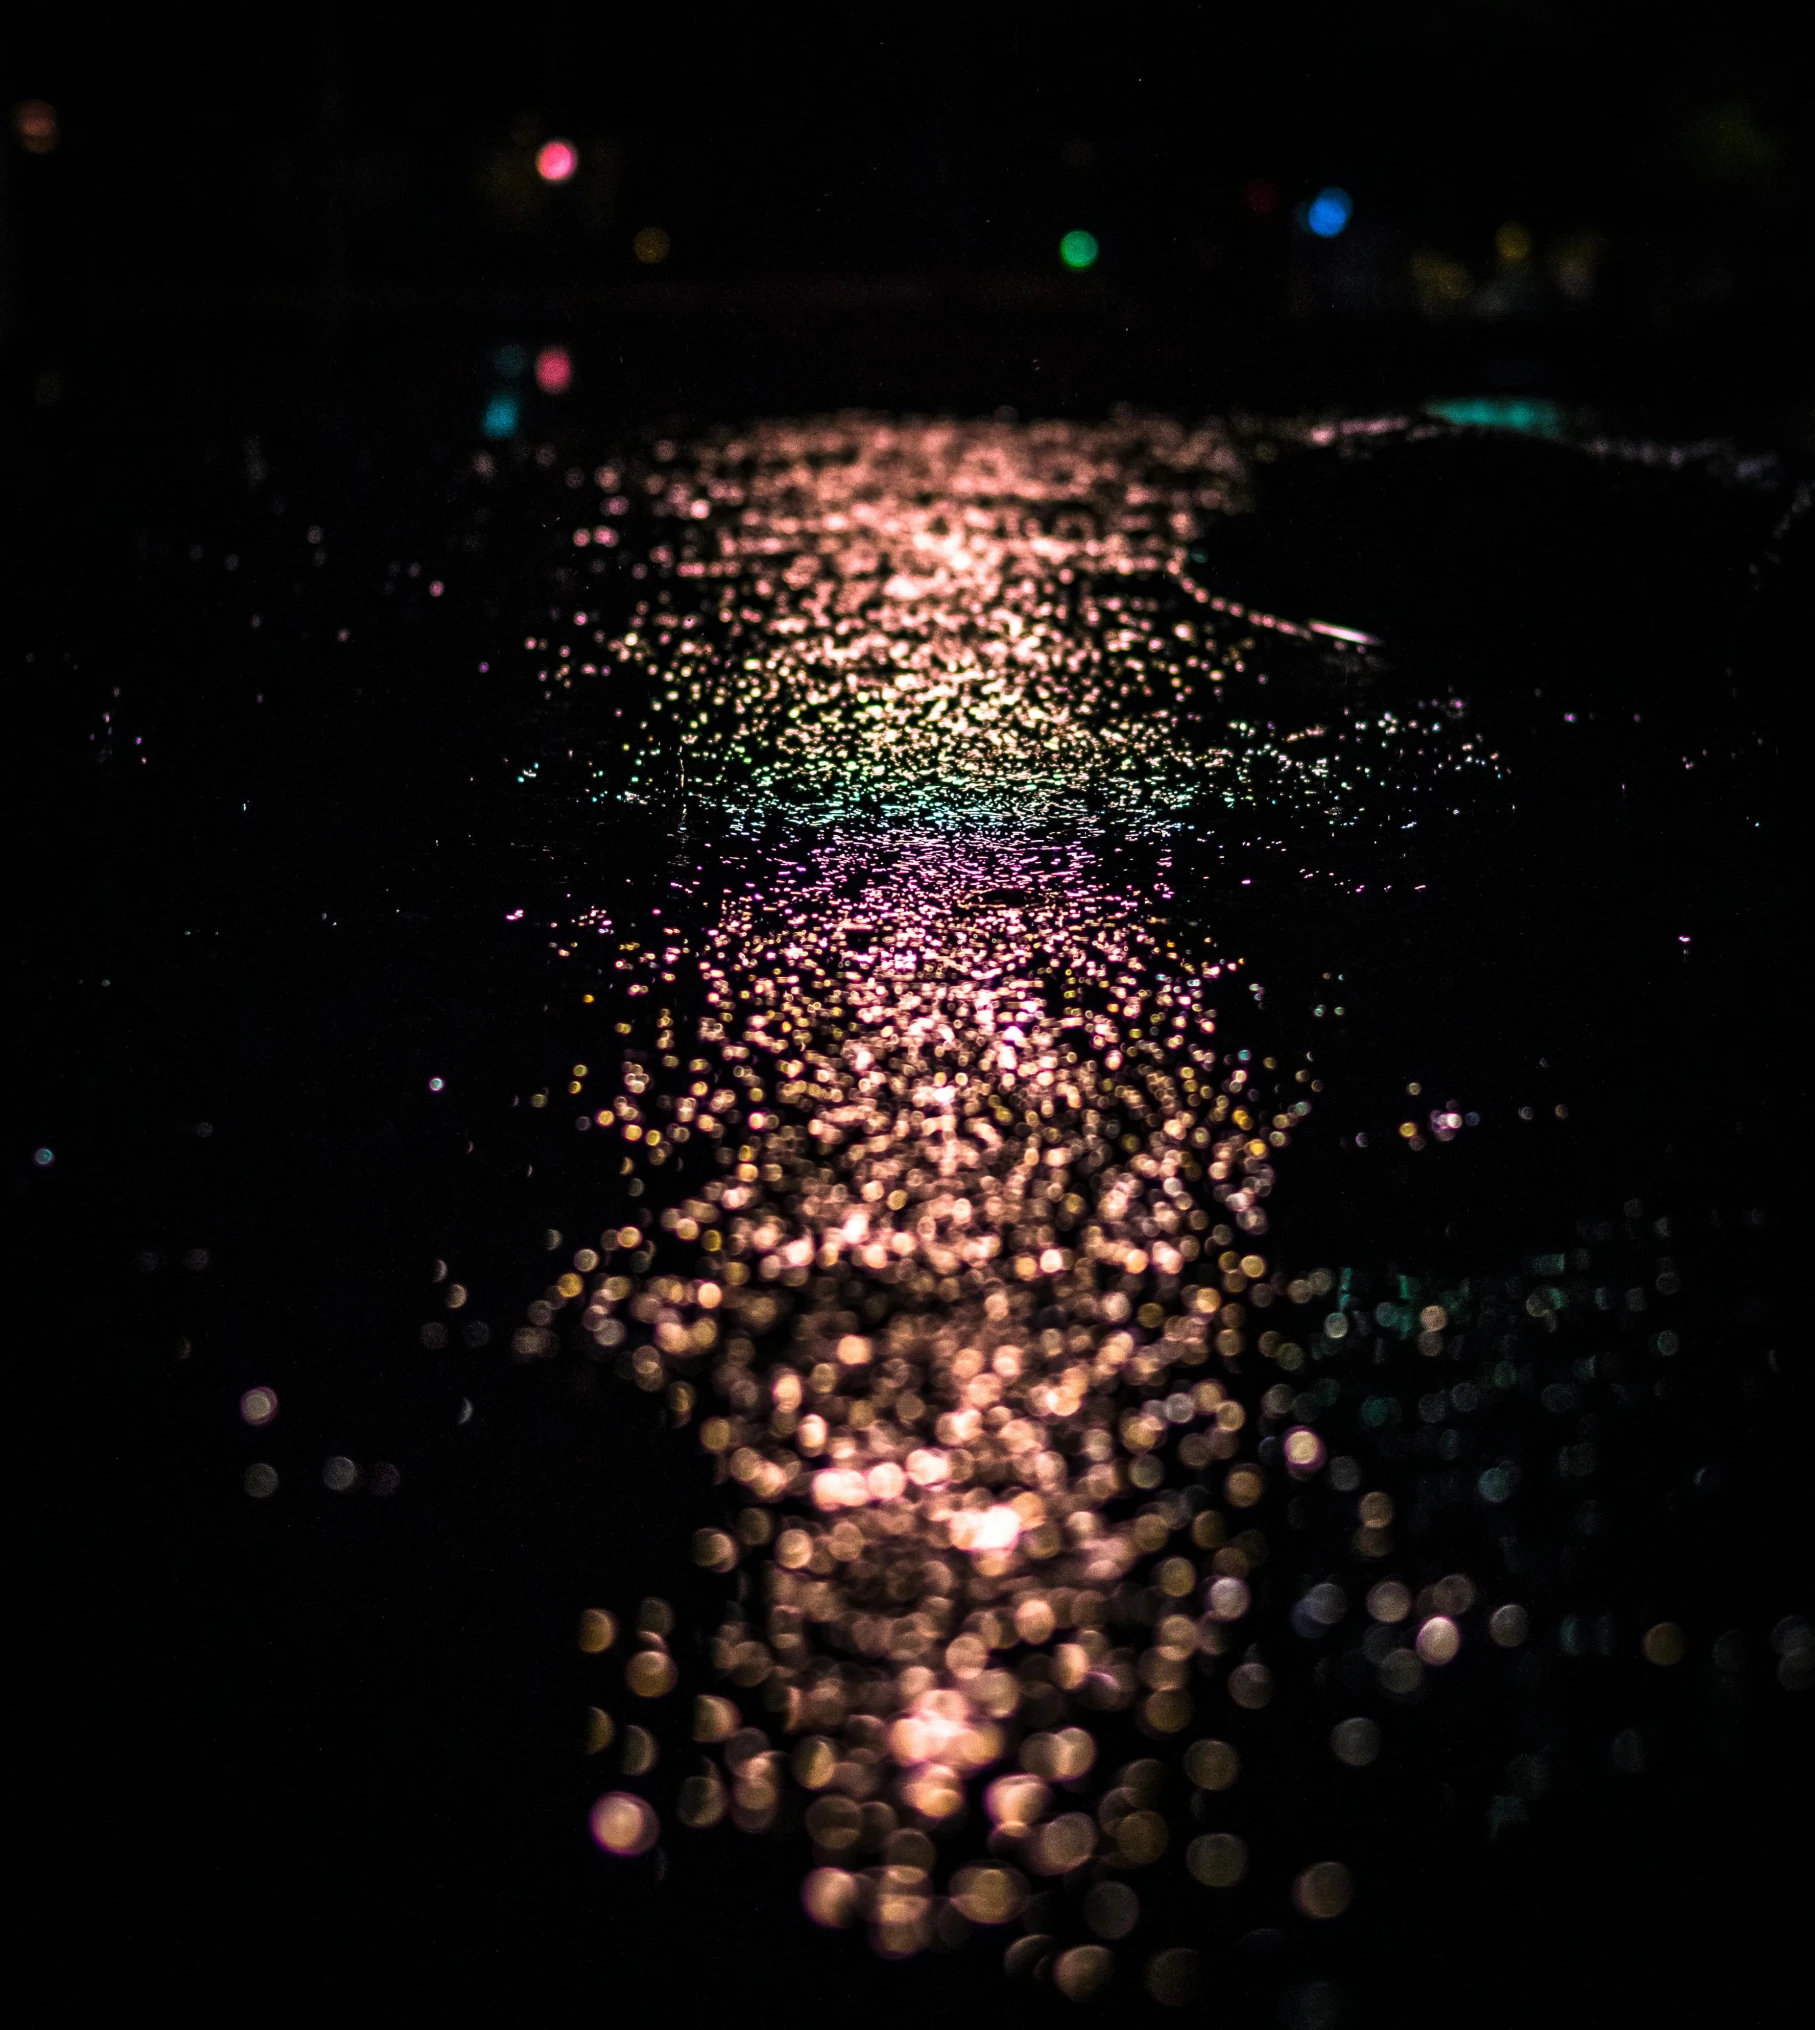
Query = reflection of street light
x=990 y=1529
x=556 y=161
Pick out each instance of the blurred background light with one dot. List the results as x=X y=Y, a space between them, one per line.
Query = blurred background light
x=554 y=370
x=1328 y=212
x=35 y=124
x=510 y=360
x=258 y=1406
x=556 y=161
x=1440 y=283
x=1678 y=209
x=500 y=418
x=1523 y=413
x=1078 y=250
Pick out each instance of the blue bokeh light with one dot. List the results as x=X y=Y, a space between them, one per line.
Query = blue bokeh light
x=1328 y=212
x=500 y=416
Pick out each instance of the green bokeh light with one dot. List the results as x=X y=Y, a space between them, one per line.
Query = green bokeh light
x=1078 y=250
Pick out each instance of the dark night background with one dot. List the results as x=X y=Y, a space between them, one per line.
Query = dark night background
x=250 y=262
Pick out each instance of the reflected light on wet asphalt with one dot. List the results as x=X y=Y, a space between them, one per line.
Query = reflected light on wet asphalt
x=1084 y=1558
x=957 y=1186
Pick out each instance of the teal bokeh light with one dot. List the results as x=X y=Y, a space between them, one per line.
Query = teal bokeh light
x=1530 y=415
x=501 y=416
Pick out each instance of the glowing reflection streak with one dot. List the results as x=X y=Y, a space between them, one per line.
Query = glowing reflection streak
x=990 y=1190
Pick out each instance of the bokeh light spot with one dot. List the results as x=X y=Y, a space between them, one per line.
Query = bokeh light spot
x=1324 y=1890
x=1083 y=1972
x=1079 y=250
x=1172 y=1977
x=258 y=1406
x=36 y=125
x=624 y=1825
x=598 y=1631
x=556 y=161
x=1218 y=1860
x=1664 y=1644
x=1111 y=1909
x=1329 y=212
x=832 y=1898
x=1212 y=1765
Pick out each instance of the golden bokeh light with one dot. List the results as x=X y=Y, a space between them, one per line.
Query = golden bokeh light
x=1218 y=1860
x=598 y=1631
x=1324 y=1890
x=624 y=1825
x=1083 y=1972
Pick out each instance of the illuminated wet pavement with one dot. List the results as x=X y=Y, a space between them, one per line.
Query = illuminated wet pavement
x=1112 y=1568
x=944 y=1188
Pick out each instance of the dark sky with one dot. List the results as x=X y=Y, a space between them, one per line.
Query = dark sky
x=241 y=155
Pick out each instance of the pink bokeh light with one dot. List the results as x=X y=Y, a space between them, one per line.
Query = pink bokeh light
x=556 y=161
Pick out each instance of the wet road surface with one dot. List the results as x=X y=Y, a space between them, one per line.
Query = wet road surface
x=944 y=919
